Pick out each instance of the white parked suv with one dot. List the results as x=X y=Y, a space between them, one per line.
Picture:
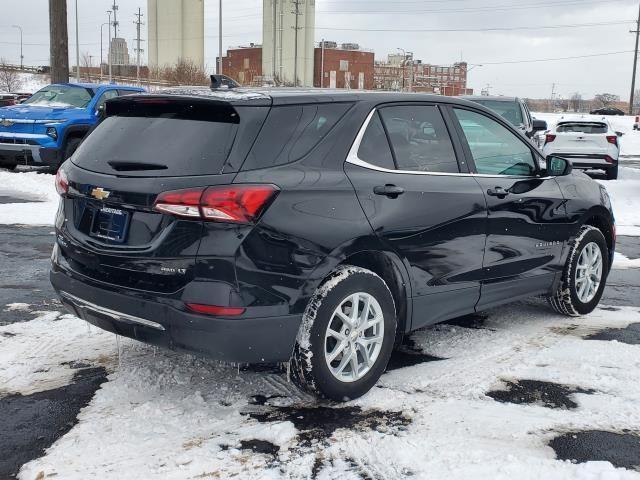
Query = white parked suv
x=588 y=141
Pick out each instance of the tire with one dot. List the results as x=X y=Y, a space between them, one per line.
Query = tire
x=612 y=173
x=10 y=167
x=311 y=367
x=69 y=149
x=567 y=298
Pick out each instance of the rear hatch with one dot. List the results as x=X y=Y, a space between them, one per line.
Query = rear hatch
x=584 y=138
x=147 y=146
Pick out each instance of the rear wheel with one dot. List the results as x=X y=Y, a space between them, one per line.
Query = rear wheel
x=584 y=276
x=612 y=173
x=347 y=335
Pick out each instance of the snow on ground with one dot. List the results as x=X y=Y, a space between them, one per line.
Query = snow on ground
x=36 y=192
x=31 y=83
x=171 y=416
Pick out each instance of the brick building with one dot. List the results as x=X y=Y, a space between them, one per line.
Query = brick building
x=345 y=66
x=414 y=76
x=244 y=64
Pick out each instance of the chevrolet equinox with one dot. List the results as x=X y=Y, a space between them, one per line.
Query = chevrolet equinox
x=316 y=227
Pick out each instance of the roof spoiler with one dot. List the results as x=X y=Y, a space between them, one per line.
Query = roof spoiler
x=222 y=81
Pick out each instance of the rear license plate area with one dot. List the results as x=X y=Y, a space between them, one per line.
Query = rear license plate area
x=110 y=224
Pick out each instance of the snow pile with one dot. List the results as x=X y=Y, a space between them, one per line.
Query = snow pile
x=625 y=198
x=38 y=194
x=31 y=83
x=171 y=416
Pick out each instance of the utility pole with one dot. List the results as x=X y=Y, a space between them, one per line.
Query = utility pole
x=635 y=63
x=59 y=41
x=138 y=22
x=295 y=43
x=322 y=66
x=115 y=19
x=77 y=47
x=275 y=38
x=220 y=38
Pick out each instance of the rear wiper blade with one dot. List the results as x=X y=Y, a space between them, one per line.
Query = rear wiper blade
x=121 y=166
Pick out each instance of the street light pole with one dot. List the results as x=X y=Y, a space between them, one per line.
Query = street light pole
x=101 y=47
x=77 y=47
x=21 y=56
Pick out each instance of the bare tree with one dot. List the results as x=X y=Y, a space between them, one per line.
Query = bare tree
x=86 y=65
x=185 y=72
x=9 y=79
x=576 y=102
x=606 y=99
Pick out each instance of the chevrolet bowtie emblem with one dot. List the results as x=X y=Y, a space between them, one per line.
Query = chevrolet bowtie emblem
x=99 y=193
x=6 y=123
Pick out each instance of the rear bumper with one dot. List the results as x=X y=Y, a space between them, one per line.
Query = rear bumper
x=586 y=161
x=155 y=321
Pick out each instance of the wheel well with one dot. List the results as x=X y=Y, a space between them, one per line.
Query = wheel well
x=384 y=266
x=605 y=227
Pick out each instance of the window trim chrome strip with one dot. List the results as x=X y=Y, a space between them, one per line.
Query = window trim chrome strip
x=353 y=159
x=85 y=305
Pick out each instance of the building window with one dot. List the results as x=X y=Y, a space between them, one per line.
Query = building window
x=344 y=65
x=246 y=64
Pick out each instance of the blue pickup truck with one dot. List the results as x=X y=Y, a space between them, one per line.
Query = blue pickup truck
x=47 y=128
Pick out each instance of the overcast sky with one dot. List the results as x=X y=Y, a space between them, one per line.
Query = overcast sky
x=385 y=25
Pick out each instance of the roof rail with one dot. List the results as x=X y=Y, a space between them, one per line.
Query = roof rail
x=222 y=81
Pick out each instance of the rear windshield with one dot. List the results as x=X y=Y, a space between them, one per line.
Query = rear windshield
x=510 y=111
x=161 y=139
x=581 y=127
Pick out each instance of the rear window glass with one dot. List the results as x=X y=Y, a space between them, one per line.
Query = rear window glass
x=581 y=127
x=508 y=110
x=291 y=132
x=160 y=139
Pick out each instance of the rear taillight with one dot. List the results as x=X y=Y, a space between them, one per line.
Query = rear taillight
x=215 y=310
x=637 y=119
x=612 y=139
x=549 y=137
x=230 y=203
x=62 y=183
x=608 y=159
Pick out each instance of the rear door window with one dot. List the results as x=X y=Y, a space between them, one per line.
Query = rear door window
x=291 y=132
x=419 y=139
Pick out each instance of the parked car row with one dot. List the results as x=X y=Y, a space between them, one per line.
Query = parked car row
x=315 y=227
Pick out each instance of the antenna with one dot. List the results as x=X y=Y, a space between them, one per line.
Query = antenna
x=115 y=19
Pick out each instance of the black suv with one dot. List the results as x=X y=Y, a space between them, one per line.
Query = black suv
x=316 y=227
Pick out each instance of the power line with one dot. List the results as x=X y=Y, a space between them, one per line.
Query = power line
x=491 y=8
x=491 y=29
x=605 y=54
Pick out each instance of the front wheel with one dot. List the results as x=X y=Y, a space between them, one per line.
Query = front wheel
x=347 y=335
x=584 y=276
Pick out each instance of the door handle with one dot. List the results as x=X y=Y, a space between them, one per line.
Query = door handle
x=388 y=190
x=498 y=192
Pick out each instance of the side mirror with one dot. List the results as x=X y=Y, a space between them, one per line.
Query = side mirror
x=558 y=166
x=619 y=134
x=539 y=125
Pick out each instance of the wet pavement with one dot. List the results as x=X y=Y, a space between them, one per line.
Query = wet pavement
x=621 y=449
x=31 y=423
